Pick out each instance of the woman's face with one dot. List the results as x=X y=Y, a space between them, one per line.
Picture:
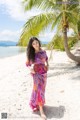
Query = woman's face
x=35 y=45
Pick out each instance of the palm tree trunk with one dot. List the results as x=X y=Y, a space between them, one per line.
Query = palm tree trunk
x=70 y=55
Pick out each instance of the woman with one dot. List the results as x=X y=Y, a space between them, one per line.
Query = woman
x=37 y=57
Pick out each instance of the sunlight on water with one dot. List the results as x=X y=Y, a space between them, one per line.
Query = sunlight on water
x=11 y=51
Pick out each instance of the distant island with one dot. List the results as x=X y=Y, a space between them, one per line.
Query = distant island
x=8 y=43
x=12 y=43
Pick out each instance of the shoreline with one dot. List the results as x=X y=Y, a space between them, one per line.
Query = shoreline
x=11 y=56
x=11 y=51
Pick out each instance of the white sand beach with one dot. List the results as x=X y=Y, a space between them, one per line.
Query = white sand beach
x=62 y=89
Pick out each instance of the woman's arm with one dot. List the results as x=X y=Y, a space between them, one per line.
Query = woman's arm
x=30 y=66
x=47 y=64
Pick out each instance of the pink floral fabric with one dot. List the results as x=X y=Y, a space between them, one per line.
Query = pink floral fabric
x=39 y=79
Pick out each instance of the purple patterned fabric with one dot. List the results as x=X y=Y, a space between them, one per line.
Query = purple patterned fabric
x=39 y=79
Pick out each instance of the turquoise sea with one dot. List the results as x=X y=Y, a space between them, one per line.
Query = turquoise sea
x=6 y=51
x=8 y=48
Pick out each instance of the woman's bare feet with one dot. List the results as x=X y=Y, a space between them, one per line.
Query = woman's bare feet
x=43 y=116
x=42 y=113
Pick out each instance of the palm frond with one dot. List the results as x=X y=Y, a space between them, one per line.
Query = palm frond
x=71 y=18
x=36 y=24
x=29 y=4
x=53 y=15
x=42 y=4
x=57 y=20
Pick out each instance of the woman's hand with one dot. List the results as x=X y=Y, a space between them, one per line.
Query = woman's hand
x=47 y=67
x=32 y=71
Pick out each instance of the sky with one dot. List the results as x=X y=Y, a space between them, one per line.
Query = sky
x=12 y=19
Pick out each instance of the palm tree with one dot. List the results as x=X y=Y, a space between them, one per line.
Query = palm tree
x=59 y=13
x=65 y=26
x=79 y=28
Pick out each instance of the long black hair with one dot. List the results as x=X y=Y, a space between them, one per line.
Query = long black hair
x=30 y=50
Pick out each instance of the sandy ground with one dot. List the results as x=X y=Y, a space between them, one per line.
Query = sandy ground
x=62 y=90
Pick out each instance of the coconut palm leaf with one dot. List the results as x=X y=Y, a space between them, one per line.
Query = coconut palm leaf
x=44 y=5
x=63 y=12
x=36 y=24
x=38 y=3
x=42 y=21
x=57 y=20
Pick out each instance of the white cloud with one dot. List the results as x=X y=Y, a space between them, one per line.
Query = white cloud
x=9 y=35
x=15 y=9
x=50 y=34
x=47 y=36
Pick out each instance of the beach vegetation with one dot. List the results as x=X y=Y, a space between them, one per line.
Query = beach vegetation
x=62 y=14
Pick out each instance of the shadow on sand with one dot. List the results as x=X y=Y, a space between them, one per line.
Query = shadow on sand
x=53 y=112
x=62 y=68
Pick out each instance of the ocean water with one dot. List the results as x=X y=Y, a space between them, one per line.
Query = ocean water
x=11 y=51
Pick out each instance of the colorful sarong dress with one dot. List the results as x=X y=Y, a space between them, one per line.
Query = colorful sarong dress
x=39 y=79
